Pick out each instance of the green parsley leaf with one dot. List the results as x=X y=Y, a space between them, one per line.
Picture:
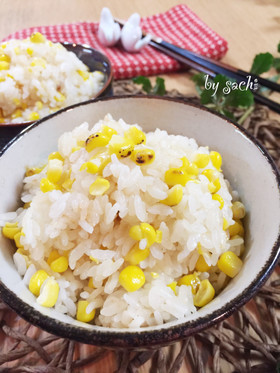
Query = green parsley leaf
x=278 y=47
x=159 y=88
x=276 y=64
x=262 y=63
x=239 y=98
x=144 y=81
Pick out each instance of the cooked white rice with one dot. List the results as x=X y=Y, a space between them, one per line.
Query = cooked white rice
x=38 y=78
x=83 y=226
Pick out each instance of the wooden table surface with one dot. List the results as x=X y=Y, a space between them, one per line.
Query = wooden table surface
x=249 y=27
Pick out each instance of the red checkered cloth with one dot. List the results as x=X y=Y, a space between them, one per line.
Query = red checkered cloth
x=179 y=25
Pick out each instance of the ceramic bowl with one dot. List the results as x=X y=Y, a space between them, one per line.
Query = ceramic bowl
x=94 y=60
x=246 y=164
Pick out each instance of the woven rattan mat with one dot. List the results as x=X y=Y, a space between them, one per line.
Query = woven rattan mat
x=246 y=342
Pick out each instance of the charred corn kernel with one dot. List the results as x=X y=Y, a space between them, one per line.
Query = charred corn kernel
x=46 y=185
x=201 y=160
x=218 y=198
x=172 y=286
x=90 y=167
x=38 y=61
x=17 y=50
x=238 y=210
x=99 y=187
x=33 y=116
x=82 y=314
x=55 y=155
x=175 y=176
x=109 y=131
x=5 y=57
x=4 y=65
x=16 y=114
x=39 y=105
x=214 y=186
x=230 y=264
x=37 y=37
x=33 y=170
x=204 y=294
x=135 y=232
x=158 y=236
x=236 y=228
x=60 y=97
x=29 y=51
x=90 y=283
x=201 y=264
x=48 y=293
x=192 y=169
x=132 y=278
x=17 y=239
x=120 y=146
x=174 y=196
x=225 y=224
x=10 y=230
x=37 y=281
x=83 y=74
x=60 y=264
x=142 y=157
x=136 y=255
x=135 y=135
x=154 y=275
x=216 y=159
x=96 y=141
x=149 y=233
x=190 y=280
x=54 y=254
x=54 y=170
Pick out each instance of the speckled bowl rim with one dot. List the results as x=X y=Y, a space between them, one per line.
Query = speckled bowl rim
x=98 y=94
x=151 y=338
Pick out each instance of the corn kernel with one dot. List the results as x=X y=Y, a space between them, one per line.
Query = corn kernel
x=55 y=155
x=16 y=114
x=135 y=135
x=238 y=210
x=3 y=45
x=2 y=79
x=39 y=105
x=48 y=293
x=136 y=255
x=54 y=254
x=158 y=236
x=76 y=148
x=17 y=50
x=135 y=232
x=142 y=157
x=60 y=264
x=4 y=65
x=94 y=259
x=17 y=239
x=46 y=185
x=236 y=228
x=172 y=286
x=5 y=57
x=67 y=184
x=104 y=158
x=90 y=167
x=175 y=176
x=192 y=169
x=154 y=275
x=38 y=61
x=225 y=224
x=230 y=264
x=218 y=198
x=33 y=170
x=37 y=280
x=120 y=146
x=82 y=314
x=96 y=140
x=83 y=74
x=60 y=98
x=10 y=230
x=190 y=280
x=99 y=186
x=33 y=116
x=204 y=294
x=209 y=173
x=29 y=51
x=37 y=37
x=216 y=160
x=109 y=131
x=54 y=170
x=90 y=283
x=132 y=278
x=174 y=196
x=201 y=160
x=214 y=186
x=201 y=264
x=148 y=233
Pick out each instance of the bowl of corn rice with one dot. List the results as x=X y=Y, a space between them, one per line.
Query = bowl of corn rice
x=135 y=221
x=39 y=77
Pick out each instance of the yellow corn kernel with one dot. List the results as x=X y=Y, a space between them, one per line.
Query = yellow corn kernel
x=201 y=264
x=192 y=169
x=76 y=148
x=174 y=196
x=37 y=37
x=158 y=236
x=135 y=135
x=5 y=57
x=172 y=286
x=175 y=176
x=4 y=65
x=236 y=228
x=120 y=146
x=60 y=264
x=135 y=232
x=21 y=251
x=33 y=170
x=99 y=187
x=209 y=173
x=216 y=160
x=83 y=74
x=230 y=264
x=54 y=170
x=103 y=158
x=67 y=184
x=29 y=51
x=132 y=278
x=218 y=198
x=214 y=186
x=225 y=224
x=3 y=45
x=90 y=167
x=142 y=157
x=185 y=162
x=82 y=314
x=136 y=255
x=10 y=230
x=238 y=210
x=90 y=283
x=46 y=185
x=2 y=79
x=17 y=239
x=33 y=116
x=154 y=275
x=204 y=294
x=60 y=98
x=16 y=114
x=48 y=293
x=37 y=281
x=17 y=50
x=39 y=105
x=55 y=155
x=54 y=254
x=149 y=233
x=201 y=160
x=96 y=141
x=109 y=131
x=94 y=259
x=38 y=61
x=190 y=280
x=199 y=249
